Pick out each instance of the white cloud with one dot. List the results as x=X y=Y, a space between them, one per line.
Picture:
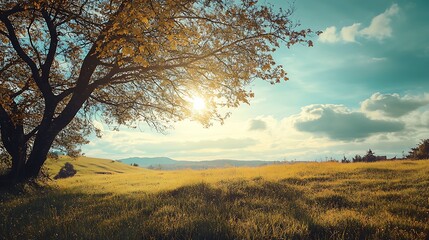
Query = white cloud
x=417 y=120
x=339 y=123
x=316 y=132
x=392 y=105
x=379 y=29
x=329 y=35
x=380 y=25
x=349 y=33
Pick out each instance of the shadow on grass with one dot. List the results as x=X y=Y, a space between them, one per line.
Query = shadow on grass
x=229 y=210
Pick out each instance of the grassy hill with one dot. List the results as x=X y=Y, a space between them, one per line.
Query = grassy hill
x=86 y=165
x=111 y=200
x=165 y=163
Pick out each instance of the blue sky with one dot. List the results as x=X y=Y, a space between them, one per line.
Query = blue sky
x=365 y=84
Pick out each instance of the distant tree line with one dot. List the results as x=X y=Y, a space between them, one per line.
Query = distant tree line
x=368 y=157
x=155 y=167
x=421 y=151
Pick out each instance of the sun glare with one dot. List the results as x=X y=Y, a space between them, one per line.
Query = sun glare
x=199 y=104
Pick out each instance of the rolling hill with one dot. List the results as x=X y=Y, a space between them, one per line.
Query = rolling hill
x=380 y=200
x=89 y=165
x=166 y=163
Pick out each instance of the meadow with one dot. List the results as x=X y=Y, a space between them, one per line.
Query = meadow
x=111 y=200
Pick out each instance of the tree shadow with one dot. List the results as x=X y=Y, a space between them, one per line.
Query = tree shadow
x=244 y=209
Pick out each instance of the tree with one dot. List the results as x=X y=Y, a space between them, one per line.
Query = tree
x=64 y=62
x=357 y=158
x=421 y=151
x=369 y=157
x=345 y=160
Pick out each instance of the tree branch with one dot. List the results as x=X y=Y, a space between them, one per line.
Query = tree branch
x=8 y=65
x=17 y=46
x=32 y=44
x=6 y=128
x=106 y=80
x=17 y=8
x=31 y=134
x=25 y=88
x=46 y=67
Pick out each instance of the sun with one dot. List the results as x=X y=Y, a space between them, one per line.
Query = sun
x=198 y=104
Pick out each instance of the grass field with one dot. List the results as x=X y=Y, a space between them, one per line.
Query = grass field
x=111 y=200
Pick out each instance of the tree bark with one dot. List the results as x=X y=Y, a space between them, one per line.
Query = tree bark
x=38 y=155
x=18 y=153
x=18 y=164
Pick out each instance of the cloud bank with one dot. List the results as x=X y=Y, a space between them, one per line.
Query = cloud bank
x=338 y=123
x=393 y=105
x=379 y=29
x=386 y=123
x=380 y=25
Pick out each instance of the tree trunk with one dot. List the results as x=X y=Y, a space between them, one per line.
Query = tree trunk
x=16 y=173
x=24 y=169
x=18 y=165
x=17 y=149
x=38 y=155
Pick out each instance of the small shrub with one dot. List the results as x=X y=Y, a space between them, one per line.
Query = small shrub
x=66 y=171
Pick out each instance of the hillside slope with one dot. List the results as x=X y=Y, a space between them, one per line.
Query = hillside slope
x=89 y=165
x=382 y=200
x=166 y=163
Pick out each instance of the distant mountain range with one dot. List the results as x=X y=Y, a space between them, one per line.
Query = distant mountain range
x=166 y=163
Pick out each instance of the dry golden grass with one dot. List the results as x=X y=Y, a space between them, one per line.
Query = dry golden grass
x=383 y=200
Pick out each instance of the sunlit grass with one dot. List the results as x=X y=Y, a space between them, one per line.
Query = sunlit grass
x=383 y=200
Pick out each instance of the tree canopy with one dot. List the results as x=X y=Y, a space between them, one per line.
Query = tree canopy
x=64 y=62
x=421 y=151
